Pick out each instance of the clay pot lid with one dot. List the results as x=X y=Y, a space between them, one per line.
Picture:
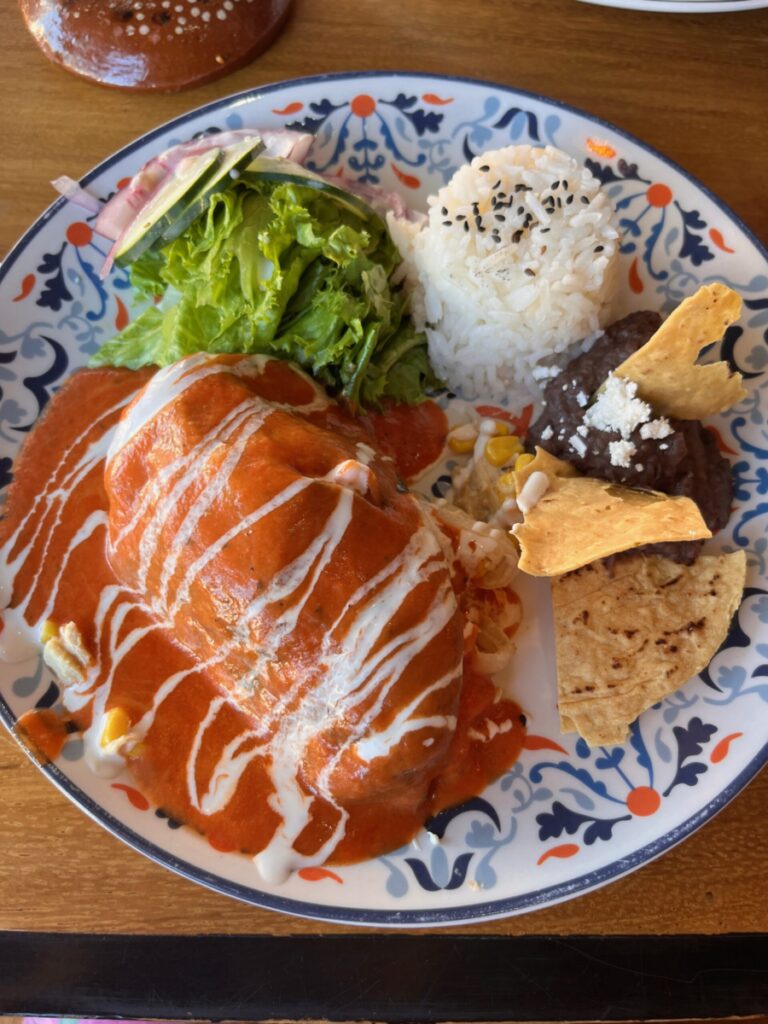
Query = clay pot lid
x=148 y=45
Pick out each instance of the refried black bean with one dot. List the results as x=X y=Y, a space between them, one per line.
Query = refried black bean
x=689 y=465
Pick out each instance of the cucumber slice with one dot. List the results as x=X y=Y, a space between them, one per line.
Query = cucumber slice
x=232 y=162
x=165 y=206
x=266 y=168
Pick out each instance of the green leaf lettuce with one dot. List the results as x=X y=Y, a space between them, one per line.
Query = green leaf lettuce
x=284 y=269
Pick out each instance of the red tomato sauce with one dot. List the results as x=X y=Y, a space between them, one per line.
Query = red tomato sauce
x=66 y=583
x=414 y=435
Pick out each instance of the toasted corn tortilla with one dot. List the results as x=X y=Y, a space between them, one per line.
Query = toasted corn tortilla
x=665 y=368
x=580 y=519
x=627 y=638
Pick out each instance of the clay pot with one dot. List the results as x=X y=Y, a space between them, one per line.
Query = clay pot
x=153 y=45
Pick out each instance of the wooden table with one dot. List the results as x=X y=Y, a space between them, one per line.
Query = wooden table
x=695 y=87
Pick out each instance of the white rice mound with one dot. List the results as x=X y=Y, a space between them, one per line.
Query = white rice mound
x=516 y=262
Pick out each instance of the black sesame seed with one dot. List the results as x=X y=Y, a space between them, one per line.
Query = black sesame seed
x=499 y=216
x=444 y=211
x=569 y=200
x=521 y=188
x=517 y=236
x=585 y=200
x=496 y=185
x=544 y=231
x=559 y=203
x=478 y=221
x=461 y=216
x=447 y=223
x=466 y=225
x=475 y=207
x=520 y=211
x=529 y=272
x=485 y=167
x=599 y=248
x=565 y=184
x=501 y=195
x=554 y=185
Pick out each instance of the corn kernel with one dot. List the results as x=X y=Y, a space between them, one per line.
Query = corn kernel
x=501 y=449
x=501 y=428
x=523 y=460
x=116 y=724
x=505 y=486
x=49 y=631
x=461 y=445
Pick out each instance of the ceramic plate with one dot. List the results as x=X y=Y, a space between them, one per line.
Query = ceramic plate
x=565 y=819
x=683 y=6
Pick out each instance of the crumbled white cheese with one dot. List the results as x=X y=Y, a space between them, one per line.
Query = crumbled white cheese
x=582 y=430
x=621 y=453
x=577 y=445
x=617 y=408
x=582 y=399
x=663 y=447
x=656 y=429
x=547 y=433
x=639 y=467
x=545 y=372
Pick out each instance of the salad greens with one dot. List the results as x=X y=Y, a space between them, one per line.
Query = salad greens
x=281 y=268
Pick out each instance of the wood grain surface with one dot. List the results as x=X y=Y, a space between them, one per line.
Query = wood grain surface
x=694 y=87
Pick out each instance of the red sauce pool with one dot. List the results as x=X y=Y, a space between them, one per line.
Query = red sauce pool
x=66 y=584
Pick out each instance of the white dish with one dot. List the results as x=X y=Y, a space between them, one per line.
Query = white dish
x=565 y=820
x=683 y=6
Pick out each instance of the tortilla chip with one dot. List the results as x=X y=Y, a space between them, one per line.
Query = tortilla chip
x=543 y=462
x=665 y=368
x=626 y=640
x=581 y=519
